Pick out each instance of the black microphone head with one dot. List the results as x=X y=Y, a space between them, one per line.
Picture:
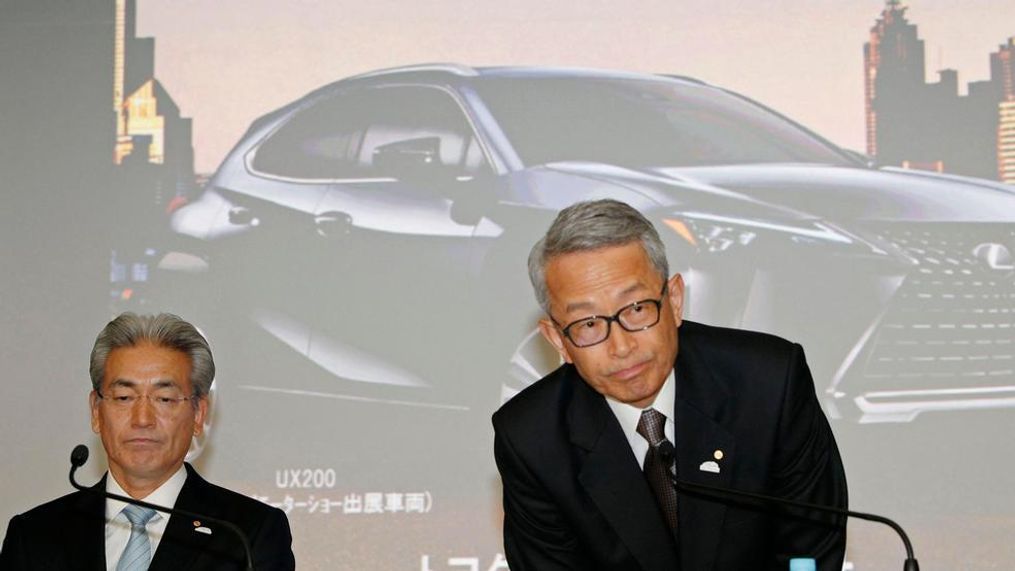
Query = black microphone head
x=79 y=456
x=666 y=451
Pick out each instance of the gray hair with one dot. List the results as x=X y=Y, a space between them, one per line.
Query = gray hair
x=588 y=226
x=162 y=330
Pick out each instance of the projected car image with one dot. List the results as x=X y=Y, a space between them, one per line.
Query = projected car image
x=374 y=234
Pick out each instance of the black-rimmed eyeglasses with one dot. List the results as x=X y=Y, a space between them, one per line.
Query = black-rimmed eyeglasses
x=595 y=329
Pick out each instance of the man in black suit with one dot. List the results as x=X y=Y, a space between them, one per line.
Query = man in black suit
x=150 y=378
x=586 y=482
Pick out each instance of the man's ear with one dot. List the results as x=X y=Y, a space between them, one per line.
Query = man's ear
x=553 y=335
x=200 y=415
x=675 y=289
x=93 y=404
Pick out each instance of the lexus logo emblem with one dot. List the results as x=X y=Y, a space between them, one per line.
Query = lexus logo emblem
x=995 y=256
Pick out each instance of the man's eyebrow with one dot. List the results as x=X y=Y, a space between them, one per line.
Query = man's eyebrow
x=130 y=384
x=632 y=288
x=588 y=305
x=578 y=305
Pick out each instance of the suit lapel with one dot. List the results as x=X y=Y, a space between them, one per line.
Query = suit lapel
x=181 y=545
x=86 y=537
x=611 y=477
x=700 y=399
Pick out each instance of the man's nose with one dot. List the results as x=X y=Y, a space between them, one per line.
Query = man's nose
x=143 y=411
x=621 y=341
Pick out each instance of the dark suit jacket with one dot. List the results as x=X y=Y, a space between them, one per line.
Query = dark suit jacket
x=575 y=497
x=69 y=533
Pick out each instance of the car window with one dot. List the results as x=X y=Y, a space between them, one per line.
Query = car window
x=641 y=123
x=318 y=142
x=338 y=136
x=405 y=113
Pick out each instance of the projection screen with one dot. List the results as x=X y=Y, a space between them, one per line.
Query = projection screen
x=342 y=197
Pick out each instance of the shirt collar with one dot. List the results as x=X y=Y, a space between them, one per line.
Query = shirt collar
x=165 y=495
x=629 y=415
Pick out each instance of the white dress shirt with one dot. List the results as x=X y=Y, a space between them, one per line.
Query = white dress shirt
x=117 y=525
x=629 y=415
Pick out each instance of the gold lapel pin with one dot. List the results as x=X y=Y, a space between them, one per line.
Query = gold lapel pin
x=197 y=523
x=717 y=454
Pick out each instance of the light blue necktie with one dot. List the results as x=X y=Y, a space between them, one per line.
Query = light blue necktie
x=138 y=553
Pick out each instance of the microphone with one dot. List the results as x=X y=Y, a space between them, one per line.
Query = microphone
x=79 y=456
x=668 y=455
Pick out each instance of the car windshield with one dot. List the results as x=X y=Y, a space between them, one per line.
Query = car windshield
x=643 y=123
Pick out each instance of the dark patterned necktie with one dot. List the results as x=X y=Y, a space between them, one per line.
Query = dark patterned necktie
x=657 y=470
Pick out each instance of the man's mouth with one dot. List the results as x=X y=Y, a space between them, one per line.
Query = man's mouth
x=632 y=371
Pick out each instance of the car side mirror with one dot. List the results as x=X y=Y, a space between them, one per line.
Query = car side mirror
x=416 y=160
x=472 y=199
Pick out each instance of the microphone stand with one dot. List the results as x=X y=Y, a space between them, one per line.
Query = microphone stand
x=668 y=454
x=78 y=458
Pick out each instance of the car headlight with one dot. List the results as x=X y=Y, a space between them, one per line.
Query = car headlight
x=715 y=233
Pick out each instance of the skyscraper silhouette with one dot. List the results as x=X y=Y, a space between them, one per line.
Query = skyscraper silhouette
x=916 y=124
x=1002 y=70
x=893 y=72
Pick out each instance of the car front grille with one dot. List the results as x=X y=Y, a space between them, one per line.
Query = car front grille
x=952 y=321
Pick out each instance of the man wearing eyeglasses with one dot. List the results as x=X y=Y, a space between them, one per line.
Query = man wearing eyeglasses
x=583 y=453
x=150 y=380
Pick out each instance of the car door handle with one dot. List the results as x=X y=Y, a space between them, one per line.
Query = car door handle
x=333 y=224
x=243 y=217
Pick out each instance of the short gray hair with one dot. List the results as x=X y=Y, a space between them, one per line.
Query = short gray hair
x=162 y=330
x=588 y=226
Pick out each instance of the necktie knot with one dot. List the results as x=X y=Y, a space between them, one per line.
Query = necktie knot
x=138 y=516
x=651 y=426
